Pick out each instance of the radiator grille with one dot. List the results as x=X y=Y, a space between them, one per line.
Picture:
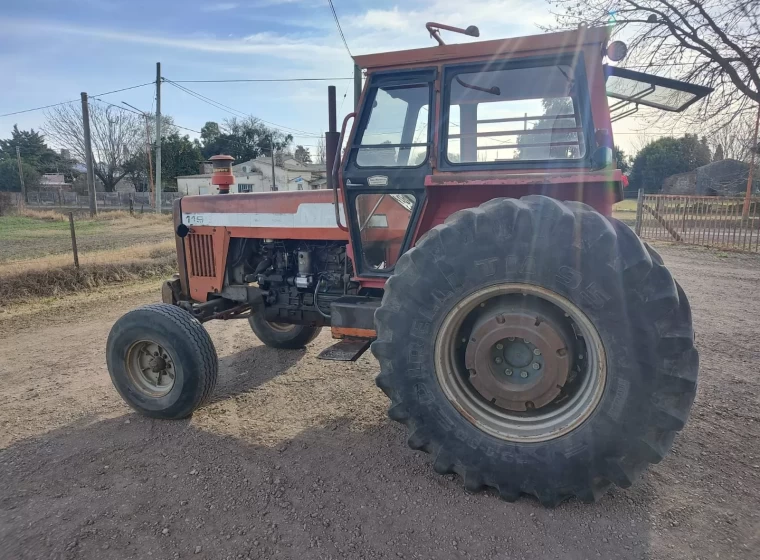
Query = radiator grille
x=202 y=261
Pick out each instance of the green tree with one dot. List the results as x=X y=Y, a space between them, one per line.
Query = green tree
x=302 y=155
x=210 y=132
x=718 y=155
x=623 y=163
x=34 y=151
x=667 y=156
x=9 y=175
x=242 y=139
x=138 y=171
x=179 y=156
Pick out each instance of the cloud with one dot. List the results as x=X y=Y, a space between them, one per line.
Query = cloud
x=273 y=44
x=219 y=7
x=403 y=26
x=383 y=19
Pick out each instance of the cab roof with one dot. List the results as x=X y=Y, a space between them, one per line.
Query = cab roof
x=563 y=41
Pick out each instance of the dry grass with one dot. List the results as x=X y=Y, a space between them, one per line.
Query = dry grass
x=103 y=216
x=25 y=238
x=46 y=215
x=31 y=285
x=36 y=260
x=114 y=256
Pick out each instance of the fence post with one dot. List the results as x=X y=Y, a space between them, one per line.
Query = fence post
x=73 y=240
x=639 y=211
x=131 y=206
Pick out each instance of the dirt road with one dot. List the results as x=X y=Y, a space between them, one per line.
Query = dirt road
x=295 y=458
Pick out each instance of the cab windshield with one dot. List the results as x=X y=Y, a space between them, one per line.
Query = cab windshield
x=396 y=133
x=513 y=114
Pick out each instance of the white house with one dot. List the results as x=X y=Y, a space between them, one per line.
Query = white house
x=54 y=181
x=255 y=175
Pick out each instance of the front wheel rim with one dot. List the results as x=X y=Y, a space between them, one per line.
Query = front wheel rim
x=151 y=368
x=281 y=327
x=520 y=362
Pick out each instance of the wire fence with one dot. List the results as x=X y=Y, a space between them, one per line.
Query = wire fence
x=709 y=221
x=59 y=199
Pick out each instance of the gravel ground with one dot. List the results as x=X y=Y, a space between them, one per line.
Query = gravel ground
x=295 y=458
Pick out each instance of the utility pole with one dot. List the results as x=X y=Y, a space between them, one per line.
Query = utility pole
x=274 y=186
x=21 y=176
x=88 y=156
x=745 y=211
x=357 y=85
x=158 y=137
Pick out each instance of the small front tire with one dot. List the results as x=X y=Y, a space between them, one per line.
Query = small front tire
x=162 y=361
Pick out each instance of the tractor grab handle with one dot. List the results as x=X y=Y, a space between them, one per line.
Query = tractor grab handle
x=336 y=168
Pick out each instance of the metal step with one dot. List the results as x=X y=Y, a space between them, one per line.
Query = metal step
x=346 y=350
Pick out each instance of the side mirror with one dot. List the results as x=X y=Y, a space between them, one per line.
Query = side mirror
x=601 y=158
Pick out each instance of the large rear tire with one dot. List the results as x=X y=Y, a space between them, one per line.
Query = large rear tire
x=284 y=336
x=161 y=361
x=536 y=347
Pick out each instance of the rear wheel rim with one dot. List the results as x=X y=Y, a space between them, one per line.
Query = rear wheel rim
x=150 y=368
x=520 y=362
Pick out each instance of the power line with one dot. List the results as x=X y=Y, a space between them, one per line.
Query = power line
x=232 y=110
x=258 y=80
x=236 y=112
x=208 y=100
x=344 y=95
x=118 y=107
x=75 y=100
x=337 y=23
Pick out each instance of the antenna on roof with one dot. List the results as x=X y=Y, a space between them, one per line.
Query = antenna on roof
x=435 y=28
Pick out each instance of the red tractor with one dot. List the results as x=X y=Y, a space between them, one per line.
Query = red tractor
x=529 y=341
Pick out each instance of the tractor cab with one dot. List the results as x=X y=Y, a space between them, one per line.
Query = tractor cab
x=478 y=120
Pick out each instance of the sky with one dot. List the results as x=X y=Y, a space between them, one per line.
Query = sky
x=51 y=50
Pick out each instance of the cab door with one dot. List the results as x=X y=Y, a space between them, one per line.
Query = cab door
x=386 y=166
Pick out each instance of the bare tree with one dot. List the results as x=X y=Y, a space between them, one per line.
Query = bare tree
x=735 y=141
x=116 y=135
x=714 y=43
x=321 y=156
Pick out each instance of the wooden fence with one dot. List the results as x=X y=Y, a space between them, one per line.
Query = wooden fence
x=709 y=221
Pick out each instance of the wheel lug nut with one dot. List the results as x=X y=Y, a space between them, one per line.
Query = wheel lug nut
x=523 y=374
x=508 y=371
x=536 y=351
x=510 y=338
x=536 y=366
x=497 y=360
x=500 y=346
